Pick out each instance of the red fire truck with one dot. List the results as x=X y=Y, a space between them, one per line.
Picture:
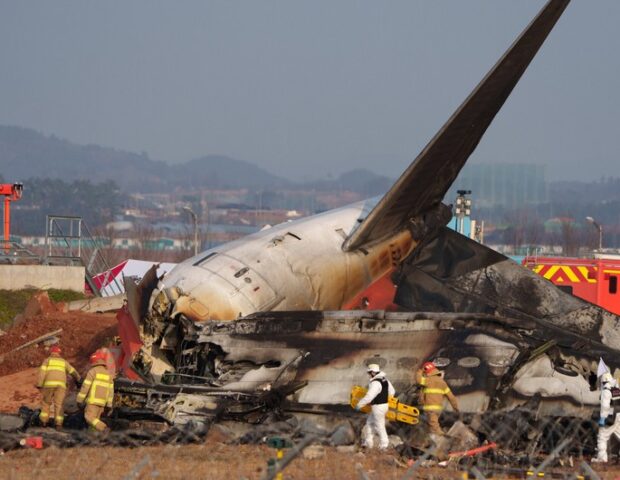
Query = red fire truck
x=593 y=279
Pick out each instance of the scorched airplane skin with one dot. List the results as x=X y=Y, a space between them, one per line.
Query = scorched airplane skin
x=298 y=265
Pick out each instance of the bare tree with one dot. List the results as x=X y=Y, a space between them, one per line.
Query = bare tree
x=525 y=229
x=514 y=235
x=534 y=232
x=569 y=238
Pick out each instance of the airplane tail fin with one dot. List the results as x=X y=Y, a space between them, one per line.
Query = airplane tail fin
x=425 y=182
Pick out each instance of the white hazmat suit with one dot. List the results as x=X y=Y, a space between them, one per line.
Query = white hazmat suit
x=605 y=432
x=375 y=422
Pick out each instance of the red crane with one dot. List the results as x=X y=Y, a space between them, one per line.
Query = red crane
x=11 y=192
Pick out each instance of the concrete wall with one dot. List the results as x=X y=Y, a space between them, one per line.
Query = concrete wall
x=42 y=277
x=97 y=304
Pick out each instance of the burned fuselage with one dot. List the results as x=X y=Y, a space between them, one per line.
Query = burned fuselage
x=308 y=361
x=503 y=335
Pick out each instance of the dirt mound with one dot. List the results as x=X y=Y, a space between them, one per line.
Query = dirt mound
x=18 y=389
x=82 y=334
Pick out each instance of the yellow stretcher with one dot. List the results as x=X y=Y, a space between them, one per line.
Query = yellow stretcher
x=397 y=411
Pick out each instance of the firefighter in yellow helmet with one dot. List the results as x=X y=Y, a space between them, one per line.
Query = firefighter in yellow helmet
x=52 y=382
x=97 y=391
x=434 y=389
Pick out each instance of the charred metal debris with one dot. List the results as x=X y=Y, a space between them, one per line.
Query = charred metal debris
x=308 y=361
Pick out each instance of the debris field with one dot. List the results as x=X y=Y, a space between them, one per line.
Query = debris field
x=226 y=450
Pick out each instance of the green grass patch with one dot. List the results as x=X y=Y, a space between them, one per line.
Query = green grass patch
x=64 y=295
x=13 y=302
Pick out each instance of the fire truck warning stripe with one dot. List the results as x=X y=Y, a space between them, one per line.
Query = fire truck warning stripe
x=560 y=272
x=569 y=273
x=550 y=272
x=585 y=272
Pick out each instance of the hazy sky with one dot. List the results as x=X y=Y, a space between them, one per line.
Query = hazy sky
x=307 y=89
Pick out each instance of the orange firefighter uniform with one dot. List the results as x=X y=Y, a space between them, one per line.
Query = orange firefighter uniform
x=97 y=392
x=52 y=381
x=434 y=389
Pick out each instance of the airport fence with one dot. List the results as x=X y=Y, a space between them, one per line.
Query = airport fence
x=515 y=444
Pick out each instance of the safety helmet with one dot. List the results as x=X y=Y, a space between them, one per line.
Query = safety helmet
x=428 y=367
x=606 y=378
x=55 y=349
x=97 y=357
x=373 y=368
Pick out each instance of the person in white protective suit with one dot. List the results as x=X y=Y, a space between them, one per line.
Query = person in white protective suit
x=379 y=388
x=609 y=421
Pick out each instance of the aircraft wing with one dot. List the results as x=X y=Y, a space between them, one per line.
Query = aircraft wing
x=428 y=178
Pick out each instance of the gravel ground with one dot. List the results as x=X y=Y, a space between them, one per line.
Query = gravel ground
x=215 y=460
x=180 y=462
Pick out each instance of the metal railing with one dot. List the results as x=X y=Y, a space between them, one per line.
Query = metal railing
x=14 y=253
x=68 y=240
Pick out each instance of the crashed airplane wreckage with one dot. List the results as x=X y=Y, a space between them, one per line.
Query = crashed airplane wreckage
x=261 y=324
x=503 y=335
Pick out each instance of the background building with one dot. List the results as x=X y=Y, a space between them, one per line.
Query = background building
x=509 y=185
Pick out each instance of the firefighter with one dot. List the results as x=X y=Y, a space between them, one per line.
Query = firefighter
x=609 y=421
x=97 y=391
x=379 y=388
x=52 y=382
x=434 y=389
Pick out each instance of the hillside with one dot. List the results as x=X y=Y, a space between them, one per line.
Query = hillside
x=25 y=153
x=217 y=171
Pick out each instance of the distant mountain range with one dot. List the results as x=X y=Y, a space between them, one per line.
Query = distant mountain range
x=26 y=153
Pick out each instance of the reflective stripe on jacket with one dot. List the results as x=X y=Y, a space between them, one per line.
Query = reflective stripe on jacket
x=53 y=372
x=434 y=390
x=98 y=387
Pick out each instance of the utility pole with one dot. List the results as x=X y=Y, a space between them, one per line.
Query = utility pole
x=599 y=227
x=195 y=222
